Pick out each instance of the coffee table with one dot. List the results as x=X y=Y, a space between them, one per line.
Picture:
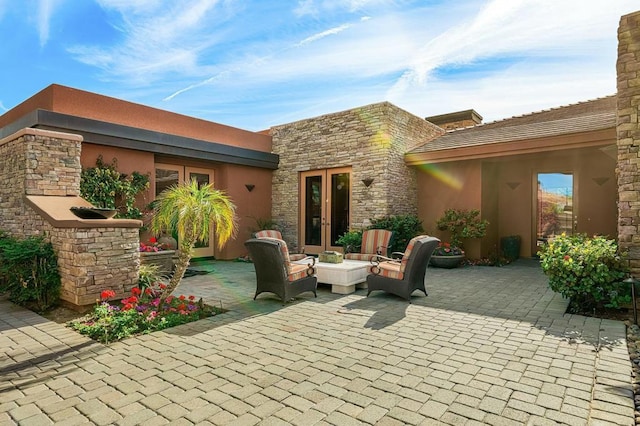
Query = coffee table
x=343 y=277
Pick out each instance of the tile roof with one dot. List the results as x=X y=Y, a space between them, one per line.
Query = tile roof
x=597 y=114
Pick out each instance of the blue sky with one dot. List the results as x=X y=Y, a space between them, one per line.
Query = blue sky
x=254 y=64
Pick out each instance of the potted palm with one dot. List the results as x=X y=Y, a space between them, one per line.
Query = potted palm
x=461 y=224
x=189 y=209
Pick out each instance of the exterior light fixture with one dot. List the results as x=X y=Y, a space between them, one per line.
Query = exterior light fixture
x=367 y=182
x=249 y=186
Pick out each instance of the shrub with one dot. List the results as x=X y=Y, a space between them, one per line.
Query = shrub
x=589 y=271
x=29 y=272
x=351 y=241
x=462 y=224
x=104 y=186
x=404 y=228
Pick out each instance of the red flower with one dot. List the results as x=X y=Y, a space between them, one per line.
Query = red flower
x=182 y=307
x=147 y=291
x=163 y=286
x=153 y=240
x=106 y=294
x=192 y=297
x=182 y=297
x=136 y=291
x=567 y=257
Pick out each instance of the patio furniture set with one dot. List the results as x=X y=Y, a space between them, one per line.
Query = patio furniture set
x=279 y=272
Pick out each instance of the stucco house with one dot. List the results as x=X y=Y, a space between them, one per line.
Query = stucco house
x=320 y=176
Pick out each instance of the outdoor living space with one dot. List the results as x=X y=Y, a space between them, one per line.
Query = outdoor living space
x=486 y=346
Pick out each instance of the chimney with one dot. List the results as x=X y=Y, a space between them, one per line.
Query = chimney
x=456 y=120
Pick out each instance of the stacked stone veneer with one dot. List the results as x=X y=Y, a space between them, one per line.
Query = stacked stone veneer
x=40 y=162
x=628 y=129
x=372 y=140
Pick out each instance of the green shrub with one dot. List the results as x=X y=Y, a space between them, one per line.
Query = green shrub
x=351 y=241
x=404 y=228
x=29 y=272
x=104 y=186
x=589 y=271
x=462 y=224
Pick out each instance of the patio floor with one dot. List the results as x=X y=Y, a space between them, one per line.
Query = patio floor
x=487 y=346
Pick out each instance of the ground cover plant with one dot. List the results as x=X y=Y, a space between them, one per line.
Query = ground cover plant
x=142 y=312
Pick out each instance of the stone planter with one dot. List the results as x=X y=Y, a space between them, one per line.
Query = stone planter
x=448 y=262
x=163 y=259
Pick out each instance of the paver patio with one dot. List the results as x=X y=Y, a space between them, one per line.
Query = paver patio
x=487 y=346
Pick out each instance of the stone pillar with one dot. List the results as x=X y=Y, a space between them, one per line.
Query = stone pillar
x=93 y=255
x=628 y=132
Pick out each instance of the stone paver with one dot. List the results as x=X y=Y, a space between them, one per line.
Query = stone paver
x=487 y=346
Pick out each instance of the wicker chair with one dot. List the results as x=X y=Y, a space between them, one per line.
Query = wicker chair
x=374 y=242
x=402 y=277
x=276 y=274
x=272 y=233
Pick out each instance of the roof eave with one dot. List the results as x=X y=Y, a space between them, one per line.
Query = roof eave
x=601 y=137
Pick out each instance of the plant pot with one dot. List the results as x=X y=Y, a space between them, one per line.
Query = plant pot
x=93 y=212
x=447 y=262
x=510 y=247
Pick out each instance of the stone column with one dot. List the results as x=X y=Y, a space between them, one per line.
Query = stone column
x=628 y=130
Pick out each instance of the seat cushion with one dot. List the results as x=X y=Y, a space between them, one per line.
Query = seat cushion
x=359 y=256
x=388 y=269
x=296 y=256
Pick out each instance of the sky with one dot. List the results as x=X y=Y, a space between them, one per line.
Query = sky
x=255 y=64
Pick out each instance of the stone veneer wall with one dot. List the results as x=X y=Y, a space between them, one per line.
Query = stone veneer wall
x=41 y=162
x=372 y=140
x=628 y=129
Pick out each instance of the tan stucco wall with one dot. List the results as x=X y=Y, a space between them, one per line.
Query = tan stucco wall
x=504 y=192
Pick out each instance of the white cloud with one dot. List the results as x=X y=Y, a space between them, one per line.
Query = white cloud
x=157 y=40
x=44 y=12
x=3 y=108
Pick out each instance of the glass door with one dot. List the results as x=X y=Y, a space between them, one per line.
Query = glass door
x=168 y=175
x=554 y=206
x=325 y=208
x=203 y=177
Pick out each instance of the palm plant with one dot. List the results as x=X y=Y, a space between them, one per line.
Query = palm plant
x=189 y=210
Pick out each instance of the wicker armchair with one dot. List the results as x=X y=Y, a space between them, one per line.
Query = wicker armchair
x=403 y=276
x=272 y=233
x=275 y=273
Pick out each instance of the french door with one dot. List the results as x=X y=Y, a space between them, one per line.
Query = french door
x=325 y=208
x=172 y=174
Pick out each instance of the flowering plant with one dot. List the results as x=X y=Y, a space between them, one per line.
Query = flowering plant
x=140 y=313
x=153 y=246
x=446 y=249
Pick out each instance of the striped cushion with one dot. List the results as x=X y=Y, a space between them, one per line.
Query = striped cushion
x=359 y=256
x=294 y=271
x=272 y=233
x=393 y=269
x=375 y=241
x=389 y=269
x=269 y=233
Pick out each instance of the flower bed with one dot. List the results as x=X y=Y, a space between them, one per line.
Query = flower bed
x=140 y=313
